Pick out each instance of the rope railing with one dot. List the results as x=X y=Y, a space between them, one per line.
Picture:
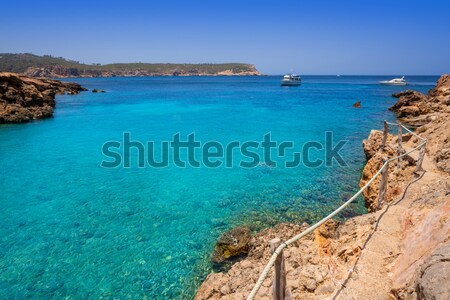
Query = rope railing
x=310 y=229
x=407 y=129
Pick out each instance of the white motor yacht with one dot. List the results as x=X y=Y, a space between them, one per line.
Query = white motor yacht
x=291 y=80
x=395 y=81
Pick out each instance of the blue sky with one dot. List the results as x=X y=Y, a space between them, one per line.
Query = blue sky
x=314 y=37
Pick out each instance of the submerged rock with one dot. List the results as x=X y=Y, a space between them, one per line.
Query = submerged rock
x=232 y=243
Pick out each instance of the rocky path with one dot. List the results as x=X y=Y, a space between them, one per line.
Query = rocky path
x=377 y=274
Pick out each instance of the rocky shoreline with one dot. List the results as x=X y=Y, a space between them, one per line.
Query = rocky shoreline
x=401 y=251
x=23 y=98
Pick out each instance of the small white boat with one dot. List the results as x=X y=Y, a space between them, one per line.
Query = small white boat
x=291 y=80
x=395 y=81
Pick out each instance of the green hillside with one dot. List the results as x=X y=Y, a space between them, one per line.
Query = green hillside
x=20 y=63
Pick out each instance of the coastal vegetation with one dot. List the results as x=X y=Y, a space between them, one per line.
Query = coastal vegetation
x=50 y=66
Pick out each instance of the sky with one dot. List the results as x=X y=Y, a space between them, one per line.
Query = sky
x=307 y=37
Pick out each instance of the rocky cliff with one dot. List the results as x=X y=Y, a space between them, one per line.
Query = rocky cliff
x=23 y=98
x=400 y=251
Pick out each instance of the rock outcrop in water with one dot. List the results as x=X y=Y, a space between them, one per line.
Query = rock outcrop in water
x=400 y=251
x=231 y=244
x=418 y=109
x=23 y=98
x=433 y=118
x=357 y=104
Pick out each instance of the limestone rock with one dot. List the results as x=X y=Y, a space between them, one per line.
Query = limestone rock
x=433 y=283
x=443 y=159
x=329 y=228
x=232 y=243
x=414 y=107
x=408 y=111
x=23 y=98
x=309 y=270
x=373 y=143
x=442 y=89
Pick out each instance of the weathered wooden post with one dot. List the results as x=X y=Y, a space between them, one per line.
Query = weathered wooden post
x=383 y=183
x=385 y=134
x=420 y=160
x=279 y=289
x=400 y=146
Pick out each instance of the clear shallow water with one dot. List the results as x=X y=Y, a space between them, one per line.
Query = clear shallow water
x=69 y=228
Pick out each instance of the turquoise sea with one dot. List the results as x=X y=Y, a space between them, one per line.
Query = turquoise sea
x=70 y=229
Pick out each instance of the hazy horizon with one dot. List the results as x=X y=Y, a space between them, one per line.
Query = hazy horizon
x=351 y=38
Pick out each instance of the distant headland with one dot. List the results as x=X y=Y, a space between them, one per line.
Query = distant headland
x=58 y=67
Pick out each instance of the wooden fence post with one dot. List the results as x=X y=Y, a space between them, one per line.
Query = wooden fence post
x=420 y=160
x=383 y=183
x=385 y=134
x=279 y=288
x=400 y=146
